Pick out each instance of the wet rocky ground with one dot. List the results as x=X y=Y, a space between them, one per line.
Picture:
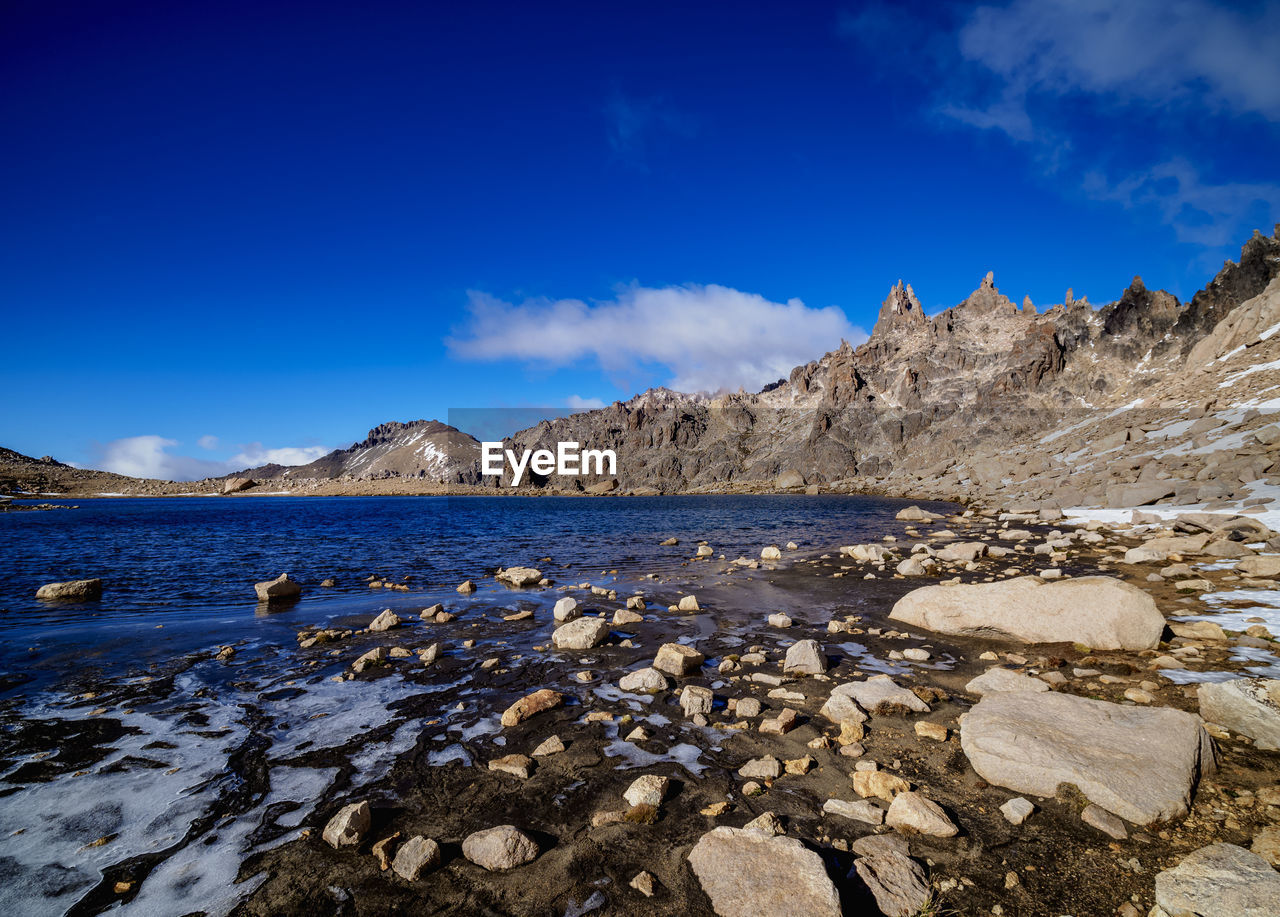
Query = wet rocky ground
x=260 y=747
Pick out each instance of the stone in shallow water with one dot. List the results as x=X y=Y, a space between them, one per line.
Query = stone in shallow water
x=503 y=847
x=566 y=610
x=1221 y=880
x=385 y=621
x=85 y=590
x=278 y=589
x=1137 y=762
x=749 y=874
x=581 y=634
x=519 y=576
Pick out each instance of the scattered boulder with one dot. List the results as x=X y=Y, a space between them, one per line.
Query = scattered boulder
x=912 y=812
x=581 y=634
x=1263 y=566
x=750 y=874
x=1098 y=611
x=962 y=552
x=897 y=882
x=516 y=765
x=1104 y=821
x=1220 y=880
x=566 y=609
x=643 y=681
x=688 y=603
x=878 y=783
x=519 y=576
x=772 y=552
x=550 y=746
x=415 y=856
x=1159 y=549
x=1017 y=810
x=373 y=658
x=466 y=587
x=805 y=658
x=766 y=768
x=527 y=706
x=503 y=847
x=880 y=695
x=695 y=699
x=1249 y=706
x=841 y=707
x=648 y=790
x=859 y=810
x=279 y=589
x=916 y=514
x=1139 y=762
x=349 y=826
x=385 y=621
x=677 y=659
x=235 y=485
x=80 y=590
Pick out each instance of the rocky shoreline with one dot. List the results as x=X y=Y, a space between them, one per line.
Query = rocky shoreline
x=645 y=738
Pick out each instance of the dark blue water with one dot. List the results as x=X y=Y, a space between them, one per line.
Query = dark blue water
x=179 y=573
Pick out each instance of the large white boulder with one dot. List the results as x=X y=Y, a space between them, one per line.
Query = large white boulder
x=1221 y=880
x=580 y=634
x=1098 y=611
x=1250 y=706
x=751 y=874
x=1141 y=763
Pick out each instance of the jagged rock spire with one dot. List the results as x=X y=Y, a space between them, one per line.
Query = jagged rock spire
x=987 y=299
x=900 y=309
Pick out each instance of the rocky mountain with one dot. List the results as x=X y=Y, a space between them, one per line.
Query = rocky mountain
x=1143 y=399
x=985 y=397
x=423 y=449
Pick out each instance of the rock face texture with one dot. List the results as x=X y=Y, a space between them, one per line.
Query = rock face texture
x=1139 y=763
x=1098 y=611
x=1250 y=706
x=1221 y=880
x=749 y=874
x=79 y=590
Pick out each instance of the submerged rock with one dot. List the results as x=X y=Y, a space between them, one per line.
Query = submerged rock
x=77 y=590
x=1098 y=611
x=278 y=589
x=519 y=576
x=1139 y=762
x=503 y=847
x=582 y=634
x=750 y=874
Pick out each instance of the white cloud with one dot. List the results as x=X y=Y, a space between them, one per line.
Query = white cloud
x=253 y=454
x=709 y=338
x=1200 y=212
x=150 y=457
x=578 y=403
x=207 y=442
x=1148 y=51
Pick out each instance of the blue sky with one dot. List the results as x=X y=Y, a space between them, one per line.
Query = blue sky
x=241 y=232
